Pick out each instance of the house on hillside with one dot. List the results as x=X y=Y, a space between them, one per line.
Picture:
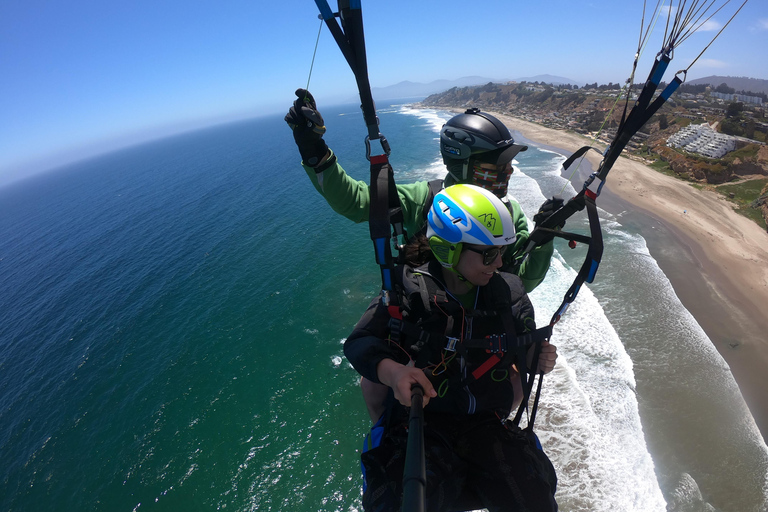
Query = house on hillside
x=702 y=139
x=755 y=100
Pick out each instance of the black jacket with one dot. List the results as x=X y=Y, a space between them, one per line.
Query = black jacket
x=466 y=353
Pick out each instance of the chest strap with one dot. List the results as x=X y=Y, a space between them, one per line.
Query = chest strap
x=504 y=349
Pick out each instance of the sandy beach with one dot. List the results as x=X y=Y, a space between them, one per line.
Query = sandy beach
x=719 y=267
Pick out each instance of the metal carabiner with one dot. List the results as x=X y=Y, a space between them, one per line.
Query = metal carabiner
x=384 y=146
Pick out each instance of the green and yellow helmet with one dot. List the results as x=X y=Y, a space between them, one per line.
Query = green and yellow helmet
x=466 y=214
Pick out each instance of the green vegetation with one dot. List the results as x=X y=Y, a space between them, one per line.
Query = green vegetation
x=663 y=167
x=709 y=166
x=744 y=193
x=731 y=127
x=747 y=152
x=682 y=122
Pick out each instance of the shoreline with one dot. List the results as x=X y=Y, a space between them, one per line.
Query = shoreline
x=717 y=265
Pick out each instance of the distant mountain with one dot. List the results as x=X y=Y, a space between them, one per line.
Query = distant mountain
x=549 y=79
x=420 y=90
x=740 y=83
x=404 y=90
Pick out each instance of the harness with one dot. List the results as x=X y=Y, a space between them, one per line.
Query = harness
x=468 y=350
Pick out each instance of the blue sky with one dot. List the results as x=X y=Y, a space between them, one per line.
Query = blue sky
x=81 y=77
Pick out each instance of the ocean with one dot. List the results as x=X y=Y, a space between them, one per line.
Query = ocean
x=172 y=318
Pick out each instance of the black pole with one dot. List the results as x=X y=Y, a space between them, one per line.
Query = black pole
x=415 y=473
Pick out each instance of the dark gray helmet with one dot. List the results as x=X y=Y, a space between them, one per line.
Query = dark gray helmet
x=478 y=136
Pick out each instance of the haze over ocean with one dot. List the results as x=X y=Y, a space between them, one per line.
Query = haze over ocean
x=172 y=318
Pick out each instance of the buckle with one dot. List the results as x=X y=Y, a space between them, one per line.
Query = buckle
x=497 y=343
x=451 y=344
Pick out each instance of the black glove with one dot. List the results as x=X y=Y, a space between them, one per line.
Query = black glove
x=308 y=128
x=546 y=210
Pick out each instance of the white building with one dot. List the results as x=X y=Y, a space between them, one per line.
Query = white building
x=702 y=139
x=756 y=100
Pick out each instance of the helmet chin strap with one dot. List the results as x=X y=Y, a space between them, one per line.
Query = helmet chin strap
x=461 y=277
x=458 y=275
x=465 y=174
x=452 y=268
x=455 y=176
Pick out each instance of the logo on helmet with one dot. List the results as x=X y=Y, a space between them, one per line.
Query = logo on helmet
x=451 y=150
x=489 y=220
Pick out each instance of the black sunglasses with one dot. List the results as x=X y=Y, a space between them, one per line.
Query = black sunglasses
x=490 y=254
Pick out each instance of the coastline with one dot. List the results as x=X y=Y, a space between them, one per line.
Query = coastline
x=715 y=259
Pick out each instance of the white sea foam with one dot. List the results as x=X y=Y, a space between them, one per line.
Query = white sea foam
x=435 y=118
x=589 y=424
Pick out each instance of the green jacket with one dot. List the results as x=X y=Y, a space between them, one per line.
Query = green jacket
x=351 y=198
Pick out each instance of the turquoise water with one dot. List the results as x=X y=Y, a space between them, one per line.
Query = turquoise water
x=171 y=326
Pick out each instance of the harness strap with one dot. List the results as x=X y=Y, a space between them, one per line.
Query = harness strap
x=503 y=348
x=535 y=407
x=423 y=292
x=505 y=343
x=487 y=365
x=385 y=215
x=641 y=112
x=351 y=41
x=591 y=261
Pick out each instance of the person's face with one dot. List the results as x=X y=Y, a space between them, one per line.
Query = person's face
x=478 y=263
x=505 y=168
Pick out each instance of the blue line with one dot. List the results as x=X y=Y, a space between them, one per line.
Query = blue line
x=380 y=252
x=325 y=10
x=660 y=70
x=593 y=271
x=671 y=88
x=386 y=278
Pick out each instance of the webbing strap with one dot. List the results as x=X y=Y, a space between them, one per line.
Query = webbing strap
x=641 y=112
x=506 y=343
x=546 y=230
x=385 y=214
x=351 y=41
x=487 y=365
x=535 y=407
x=585 y=199
x=500 y=345
x=528 y=389
x=576 y=155
x=591 y=261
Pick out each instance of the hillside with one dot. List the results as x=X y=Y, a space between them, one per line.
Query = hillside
x=589 y=111
x=740 y=83
x=407 y=89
